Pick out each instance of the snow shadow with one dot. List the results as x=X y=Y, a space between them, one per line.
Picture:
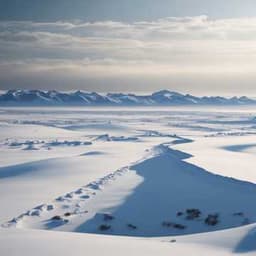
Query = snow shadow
x=17 y=170
x=247 y=244
x=171 y=186
x=239 y=148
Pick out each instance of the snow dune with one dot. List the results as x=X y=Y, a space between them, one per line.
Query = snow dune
x=231 y=156
x=237 y=241
x=169 y=182
x=160 y=195
x=60 y=174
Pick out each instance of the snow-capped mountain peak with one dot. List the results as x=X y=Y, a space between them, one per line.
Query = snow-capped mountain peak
x=159 y=98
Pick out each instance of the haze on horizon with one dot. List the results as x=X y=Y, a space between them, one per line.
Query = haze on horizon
x=203 y=48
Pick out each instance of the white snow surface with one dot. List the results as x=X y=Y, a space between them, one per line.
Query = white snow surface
x=119 y=181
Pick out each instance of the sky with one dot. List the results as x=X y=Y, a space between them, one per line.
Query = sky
x=200 y=47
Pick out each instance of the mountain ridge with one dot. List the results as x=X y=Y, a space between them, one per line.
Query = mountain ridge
x=80 y=98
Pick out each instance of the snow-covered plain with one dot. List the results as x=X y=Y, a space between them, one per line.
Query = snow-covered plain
x=119 y=181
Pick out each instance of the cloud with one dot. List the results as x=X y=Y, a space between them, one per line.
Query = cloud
x=170 y=47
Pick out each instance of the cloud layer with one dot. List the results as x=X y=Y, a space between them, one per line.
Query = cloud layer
x=191 y=54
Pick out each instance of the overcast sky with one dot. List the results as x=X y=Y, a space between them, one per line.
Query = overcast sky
x=192 y=46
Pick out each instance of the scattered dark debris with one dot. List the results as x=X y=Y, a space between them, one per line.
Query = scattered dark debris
x=68 y=214
x=193 y=214
x=179 y=226
x=131 y=226
x=108 y=217
x=84 y=197
x=179 y=214
x=50 y=207
x=173 y=241
x=238 y=214
x=212 y=219
x=57 y=217
x=167 y=224
x=104 y=227
x=174 y=225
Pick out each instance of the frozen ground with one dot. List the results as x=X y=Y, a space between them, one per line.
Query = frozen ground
x=136 y=180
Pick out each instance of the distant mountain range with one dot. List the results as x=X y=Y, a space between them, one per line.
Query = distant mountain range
x=80 y=98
